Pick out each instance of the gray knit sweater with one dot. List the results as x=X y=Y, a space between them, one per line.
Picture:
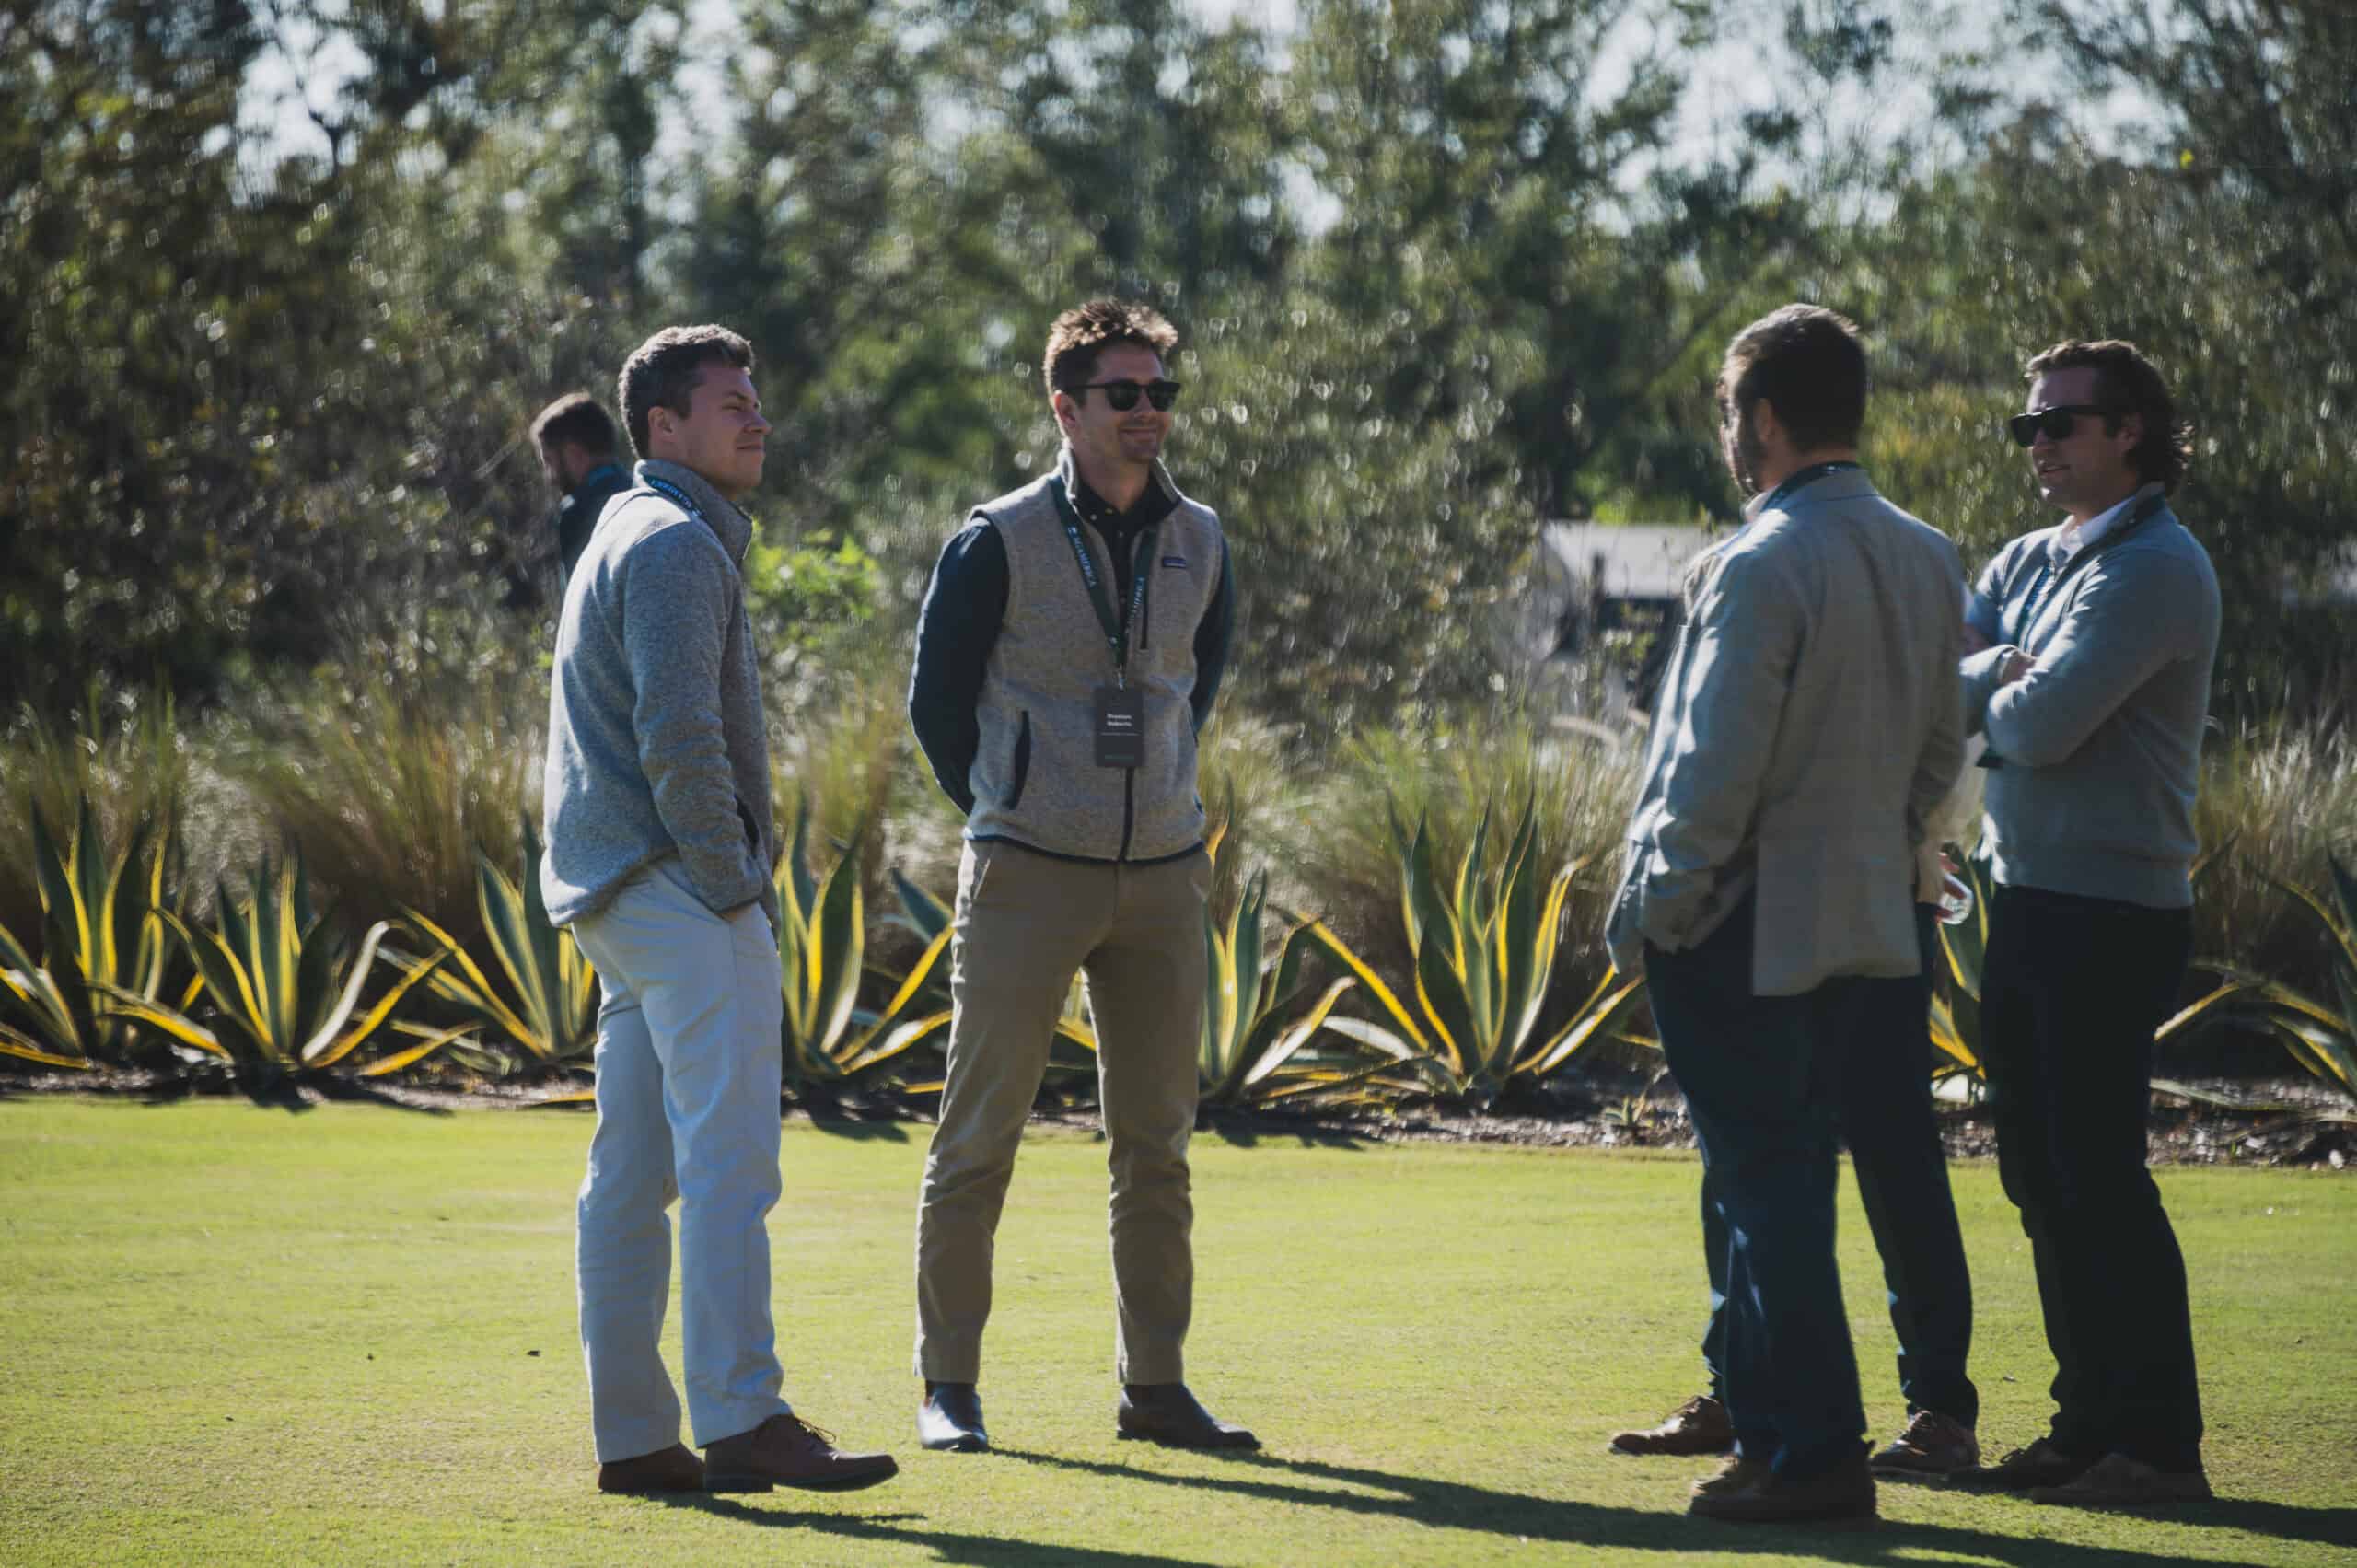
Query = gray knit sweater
x=656 y=741
x=2095 y=754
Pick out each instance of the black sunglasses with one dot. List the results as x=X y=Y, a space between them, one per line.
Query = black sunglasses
x=1122 y=396
x=2057 y=422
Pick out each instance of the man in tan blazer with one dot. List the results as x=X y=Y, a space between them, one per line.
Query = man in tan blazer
x=1809 y=723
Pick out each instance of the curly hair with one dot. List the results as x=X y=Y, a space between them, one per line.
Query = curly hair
x=2127 y=382
x=1082 y=333
x=663 y=371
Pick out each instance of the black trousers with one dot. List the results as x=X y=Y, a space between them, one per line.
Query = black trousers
x=2072 y=989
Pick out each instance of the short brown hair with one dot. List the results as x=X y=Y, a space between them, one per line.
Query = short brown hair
x=667 y=369
x=1082 y=333
x=1810 y=364
x=2126 y=383
x=576 y=417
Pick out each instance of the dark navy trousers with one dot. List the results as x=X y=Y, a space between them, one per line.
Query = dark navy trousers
x=1762 y=1077
x=1887 y=1120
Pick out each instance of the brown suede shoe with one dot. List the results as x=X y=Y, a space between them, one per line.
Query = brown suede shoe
x=675 y=1468
x=2041 y=1464
x=1933 y=1444
x=2117 y=1481
x=1735 y=1473
x=786 y=1450
x=1844 y=1494
x=1698 y=1427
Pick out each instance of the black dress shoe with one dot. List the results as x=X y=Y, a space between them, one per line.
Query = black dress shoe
x=1167 y=1414
x=951 y=1418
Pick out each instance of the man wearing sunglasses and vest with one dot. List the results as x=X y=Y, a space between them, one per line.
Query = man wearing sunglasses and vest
x=2090 y=682
x=1068 y=652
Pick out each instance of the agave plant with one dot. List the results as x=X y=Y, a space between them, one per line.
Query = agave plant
x=2320 y=1035
x=102 y=936
x=1256 y=1037
x=550 y=1010
x=822 y=949
x=1484 y=955
x=282 y=987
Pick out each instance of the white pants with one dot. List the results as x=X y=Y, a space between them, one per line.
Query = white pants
x=688 y=1066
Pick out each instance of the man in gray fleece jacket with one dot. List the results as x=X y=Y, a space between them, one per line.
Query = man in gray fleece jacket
x=659 y=848
x=2092 y=685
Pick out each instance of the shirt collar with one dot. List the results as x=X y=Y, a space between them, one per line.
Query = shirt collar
x=722 y=516
x=1158 y=500
x=2071 y=538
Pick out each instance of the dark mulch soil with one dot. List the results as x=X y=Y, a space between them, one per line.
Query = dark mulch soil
x=2274 y=1121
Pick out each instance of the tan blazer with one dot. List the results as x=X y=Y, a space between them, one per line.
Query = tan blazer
x=1810 y=720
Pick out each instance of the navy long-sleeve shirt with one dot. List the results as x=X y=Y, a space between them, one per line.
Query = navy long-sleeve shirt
x=966 y=605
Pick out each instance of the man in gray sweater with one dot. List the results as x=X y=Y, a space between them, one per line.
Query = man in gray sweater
x=659 y=848
x=2092 y=684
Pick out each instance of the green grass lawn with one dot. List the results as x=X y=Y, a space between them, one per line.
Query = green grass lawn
x=235 y=1335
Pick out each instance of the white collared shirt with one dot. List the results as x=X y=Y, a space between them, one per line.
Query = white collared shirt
x=2076 y=537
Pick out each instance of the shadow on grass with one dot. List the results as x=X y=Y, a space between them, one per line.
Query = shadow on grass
x=1434 y=1501
x=1245 y=1128
x=983 y=1552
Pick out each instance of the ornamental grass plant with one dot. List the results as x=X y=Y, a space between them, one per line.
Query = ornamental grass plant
x=390 y=791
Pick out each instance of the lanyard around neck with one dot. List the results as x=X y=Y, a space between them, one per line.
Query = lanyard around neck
x=2049 y=582
x=670 y=491
x=1802 y=480
x=1117 y=632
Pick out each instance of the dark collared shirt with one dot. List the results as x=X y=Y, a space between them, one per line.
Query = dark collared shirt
x=577 y=514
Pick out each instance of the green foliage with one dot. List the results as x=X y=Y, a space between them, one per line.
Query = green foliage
x=553 y=1015
x=822 y=948
x=396 y=792
x=2321 y=1035
x=1483 y=948
x=103 y=937
x=281 y=987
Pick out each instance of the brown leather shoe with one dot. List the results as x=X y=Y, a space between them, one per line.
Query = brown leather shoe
x=1735 y=1473
x=1933 y=1444
x=2041 y=1464
x=1166 y=1413
x=2117 y=1481
x=1698 y=1427
x=1844 y=1494
x=786 y=1450
x=675 y=1468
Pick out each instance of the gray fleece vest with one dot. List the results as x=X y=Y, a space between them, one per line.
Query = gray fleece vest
x=1035 y=777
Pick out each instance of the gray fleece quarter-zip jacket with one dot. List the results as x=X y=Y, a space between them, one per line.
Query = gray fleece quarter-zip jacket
x=2096 y=755
x=658 y=744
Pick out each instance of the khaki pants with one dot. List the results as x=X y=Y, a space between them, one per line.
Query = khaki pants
x=1025 y=922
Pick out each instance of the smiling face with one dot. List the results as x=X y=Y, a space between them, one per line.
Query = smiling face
x=2089 y=470
x=1106 y=440
x=721 y=435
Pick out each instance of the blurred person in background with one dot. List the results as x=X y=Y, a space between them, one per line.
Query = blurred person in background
x=579 y=454
x=2092 y=643
x=1807 y=728
x=1069 y=649
x=660 y=845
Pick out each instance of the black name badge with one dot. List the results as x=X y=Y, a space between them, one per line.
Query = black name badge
x=1120 y=727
